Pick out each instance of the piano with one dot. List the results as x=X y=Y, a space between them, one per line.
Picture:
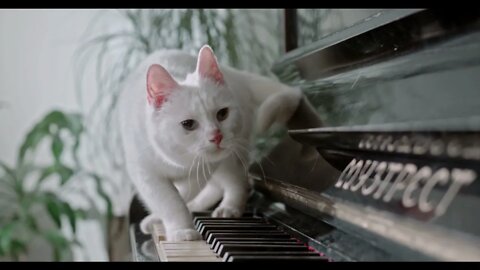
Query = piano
x=380 y=162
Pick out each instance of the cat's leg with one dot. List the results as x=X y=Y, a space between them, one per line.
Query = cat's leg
x=231 y=178
x=165 y=203
x=264 y=87
x=278 y=108
x=276 y=101
x=206 y=198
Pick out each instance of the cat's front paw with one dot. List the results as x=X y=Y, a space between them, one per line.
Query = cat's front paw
x=146 y=225
x=184 y=235
x=227 y=212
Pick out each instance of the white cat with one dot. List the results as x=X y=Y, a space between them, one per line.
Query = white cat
x=186 y=125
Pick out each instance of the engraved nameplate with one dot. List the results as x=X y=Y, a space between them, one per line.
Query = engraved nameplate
x=466 y=147
x=383 y=180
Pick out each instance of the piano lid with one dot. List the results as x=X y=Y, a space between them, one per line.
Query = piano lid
x=397 y=144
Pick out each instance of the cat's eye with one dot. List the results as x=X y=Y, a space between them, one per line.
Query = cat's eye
x=189 y=124
x=222 y=114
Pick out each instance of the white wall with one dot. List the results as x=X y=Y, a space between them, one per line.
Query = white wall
x=36 y=76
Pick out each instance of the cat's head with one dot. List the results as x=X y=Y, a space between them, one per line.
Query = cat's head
x=198 y=117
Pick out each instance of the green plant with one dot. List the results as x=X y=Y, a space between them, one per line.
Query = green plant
x=33 y=189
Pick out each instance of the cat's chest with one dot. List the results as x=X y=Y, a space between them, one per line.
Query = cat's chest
x=193 y=172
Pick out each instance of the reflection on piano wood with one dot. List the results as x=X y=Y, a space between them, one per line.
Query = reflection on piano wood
x=248 y=238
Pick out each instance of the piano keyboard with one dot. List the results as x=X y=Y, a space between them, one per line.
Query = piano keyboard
x=247 y=238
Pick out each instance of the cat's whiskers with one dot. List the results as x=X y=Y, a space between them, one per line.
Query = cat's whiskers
x=189 y=176
x=208 y=167
x=258 y=163
x=203 y=169
x=235 y=153
x=261 y=168
x=236 y=143
x=241 y=160
x=248 y=151
x=198 y=164
x=243 y=148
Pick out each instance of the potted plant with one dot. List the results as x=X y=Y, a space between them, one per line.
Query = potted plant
x=35 y=193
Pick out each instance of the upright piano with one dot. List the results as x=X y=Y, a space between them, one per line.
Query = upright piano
x=381 y=160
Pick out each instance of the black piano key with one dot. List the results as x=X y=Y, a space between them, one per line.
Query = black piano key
x=275 y=258
x=205 y=219
x=225 y=234
x=227 y=255
x=209 y=217
x=198 y=221
x=209 y=214
x=239 y=227
x=245 y=247
x=244 y=224
x=262 y=239
x=252 y=243
x=240 y=233
x=228 y=221
x=201 y=224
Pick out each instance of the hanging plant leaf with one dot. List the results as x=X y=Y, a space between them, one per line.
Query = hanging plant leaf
x=54 y=210
x=71 y=215
x=6 y=233
x=58 y=242
x=64 y=172
x=57 y=147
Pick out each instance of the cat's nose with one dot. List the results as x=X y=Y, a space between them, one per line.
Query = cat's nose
x=217 y=137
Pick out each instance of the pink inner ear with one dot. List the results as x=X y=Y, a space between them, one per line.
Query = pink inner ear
x=207 y=65
x=159 y=85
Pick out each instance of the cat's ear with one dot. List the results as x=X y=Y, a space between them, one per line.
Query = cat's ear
x=159 y=85
x=207 y=65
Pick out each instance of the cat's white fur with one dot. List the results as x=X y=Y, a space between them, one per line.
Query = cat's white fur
x=176 y=171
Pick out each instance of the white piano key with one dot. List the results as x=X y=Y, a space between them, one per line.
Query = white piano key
x=181 y=251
